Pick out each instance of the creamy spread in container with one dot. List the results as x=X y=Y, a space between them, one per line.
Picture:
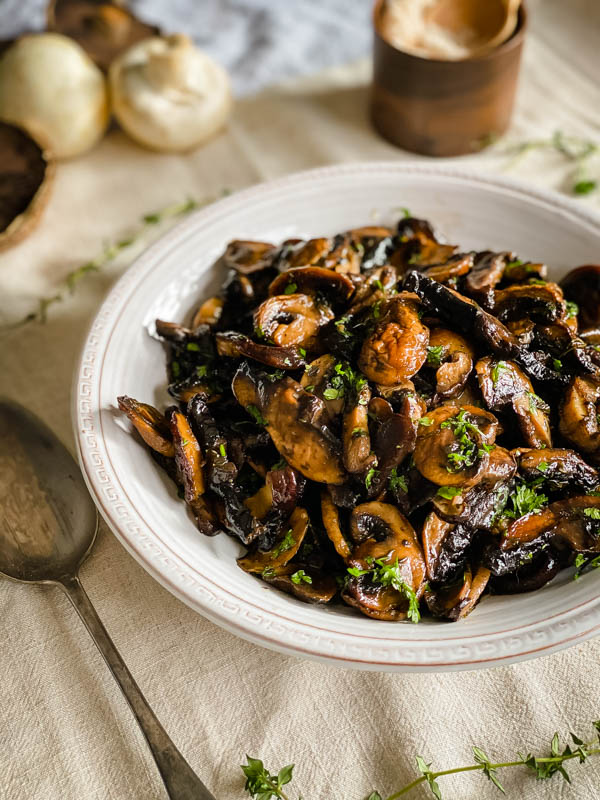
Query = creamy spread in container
x=406 y=25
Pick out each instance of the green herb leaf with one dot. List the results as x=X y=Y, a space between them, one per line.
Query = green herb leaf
x=434 y=355
x=426 y=421
x=222 y=450
x=258 y=417
x=572 y=309
x=397 y=482
x=290 y=288
x=593 y=513
x=497 y=369
x=300 y=576
x=285 y=544
x=585 y=187
x=449 y=492
x=369 y=477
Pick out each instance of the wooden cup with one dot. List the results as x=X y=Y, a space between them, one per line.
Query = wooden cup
x=443 y=108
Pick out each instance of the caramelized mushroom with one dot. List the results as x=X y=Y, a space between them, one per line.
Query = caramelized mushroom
x=435 y=530
x=487 y=272
x=575 y=520
x=395 y=437
x=582 y=286
x=150 y=424
x=451 y=269
x=457 y=601
x=560 y=468
x=397 y=348
x=393 y=541
x=331 y=523
x=310 y=280
x=318 y=379
x=248 y=257
x=209 y=312
x=308 y=584
x=421 y=246
x=579 y=415
x=539 y=302
x=188 y=457
x=292 y=319
x=284 y=549
x=453 y=445
x=452 y=356
x=295 y=421
x=236 y=345
x=356 y=440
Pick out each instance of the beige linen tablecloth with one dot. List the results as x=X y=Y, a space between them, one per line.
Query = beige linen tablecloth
x=65 y=730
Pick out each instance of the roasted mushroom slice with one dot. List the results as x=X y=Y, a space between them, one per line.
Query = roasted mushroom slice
x=307 y=584
x=449 y=270
x=453 y=445
x=321 y=379
x=395 y=438
x=235 y=345
x=397 y=348
x=331 y=522
x=536 y=570
x=296 y=422
x=273 y=503
x=435 y=530
x=540 y=302
x=188 y=456
x=465 y=314
x=456 y=601
x=311 y=280
x=487 y=272
x=284 y=549
x=579 y=417
x=575 y=520
x=150 y=424
x=248 y=256
x=388 y=568
x=504 y=385
x=209 y=312
x=356 y=441
x=420 y=244
x=292 y=319
x=26 y=175
x=582 y=287
x=451 y=356
x=559 y=468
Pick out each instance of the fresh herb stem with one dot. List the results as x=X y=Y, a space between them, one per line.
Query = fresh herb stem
x=109 y=253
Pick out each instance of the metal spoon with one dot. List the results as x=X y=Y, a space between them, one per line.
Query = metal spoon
x=48 y=525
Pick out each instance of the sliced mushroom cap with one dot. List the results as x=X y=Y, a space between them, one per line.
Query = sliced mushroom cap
x=579 y=415
x=487 y=272
x=150 y=424
x=317 y=379
x=422 y=247
x=236 y=345
x=397 y=348
x=454 y=267
x=331 y=523
x=397 y=544
x=209 y=312
x=517 y=271
x=296 y=422
x=454 y=355
x=395 y=436
x=310 y=280
x=307 y=584
x=247 y=256
x=451 y=445
x=536 y=571
x=26 y=176
x=575 y=520
x=435 y=530
x=534 y=421
x=103 y=29
x=358 y=456
x=582 y=286
x=188 y=456
x=284 y=549
x=457 y=601
x=560 y=468
x=292 y=319
x=540 y=302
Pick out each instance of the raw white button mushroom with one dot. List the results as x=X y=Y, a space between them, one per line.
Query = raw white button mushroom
x=50 y=87
x=168 y=95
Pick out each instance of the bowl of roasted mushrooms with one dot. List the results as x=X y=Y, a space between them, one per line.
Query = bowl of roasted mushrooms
x=372 y=413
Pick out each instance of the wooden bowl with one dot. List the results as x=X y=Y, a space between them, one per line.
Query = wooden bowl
x=443 y=108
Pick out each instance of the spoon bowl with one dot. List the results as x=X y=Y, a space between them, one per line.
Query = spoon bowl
x=48 y=521
x=48 y=526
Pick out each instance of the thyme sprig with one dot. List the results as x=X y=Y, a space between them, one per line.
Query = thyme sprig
x=262 y=785
x=574 y=149
x=108 y=254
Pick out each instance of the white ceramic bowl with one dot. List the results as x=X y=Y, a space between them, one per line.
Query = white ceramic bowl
x=141 y=506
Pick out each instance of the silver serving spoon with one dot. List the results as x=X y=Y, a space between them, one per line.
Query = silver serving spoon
x=48 y=525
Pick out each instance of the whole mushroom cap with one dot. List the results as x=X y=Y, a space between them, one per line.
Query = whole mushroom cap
x=26 y=174
x=50 y=87
x=168 y=95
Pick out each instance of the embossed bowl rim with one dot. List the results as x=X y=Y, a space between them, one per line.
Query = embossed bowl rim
x=278 y=621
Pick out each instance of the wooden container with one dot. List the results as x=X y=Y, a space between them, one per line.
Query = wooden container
x=443 y=108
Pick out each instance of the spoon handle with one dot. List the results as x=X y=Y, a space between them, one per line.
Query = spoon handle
x=180 y=780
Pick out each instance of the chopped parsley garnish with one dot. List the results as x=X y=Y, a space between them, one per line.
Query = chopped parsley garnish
x=387 y=574
x=285 y=544
x=426 y=421
x=222 y=450
x=300 y=577
x=378 y=284
x=536 y=403
x=258 y=417
x=497 y=369
x=202 y=371
x=435 y=354
x=175 y=368
x=397 y=482
x=583 y=563
x=557 y=364
x=543 y=466
x=340 y=325
x=333 y=394
x=194 y=347
x=585 y=187
x=513 y=265
x=302 y=352
x=290 y=288
x=358 y=432
x=466 y=451
x=525 y=500
x=572 y=309
x=592 y=513
x=449 y=492
x=377 y=309
x=369 y=477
